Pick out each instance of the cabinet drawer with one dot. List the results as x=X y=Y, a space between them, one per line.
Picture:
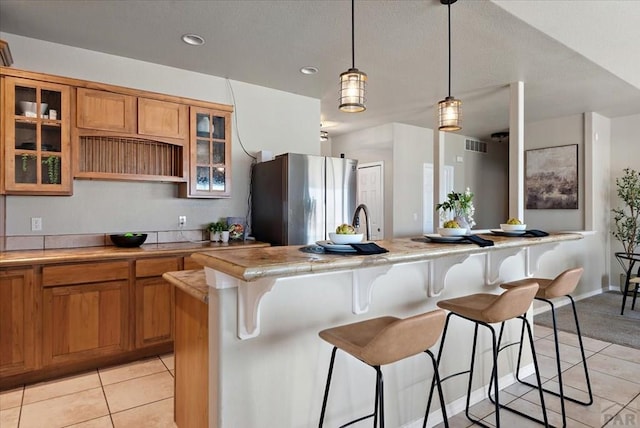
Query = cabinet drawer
x=84 y=273
x=155 y=266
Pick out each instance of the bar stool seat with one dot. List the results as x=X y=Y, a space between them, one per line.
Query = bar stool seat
x=561 y=286
x=485 y=309
x=381 y=341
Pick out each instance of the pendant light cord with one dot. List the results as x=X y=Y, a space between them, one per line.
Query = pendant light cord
x=449 y=22
x=353 y=37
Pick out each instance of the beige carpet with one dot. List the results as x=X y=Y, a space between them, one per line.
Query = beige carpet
x=600 y=319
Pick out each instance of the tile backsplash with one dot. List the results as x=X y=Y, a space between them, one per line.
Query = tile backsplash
x=49 y=242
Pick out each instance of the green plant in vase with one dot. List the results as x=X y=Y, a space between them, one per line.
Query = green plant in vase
x=626 y=219
x=458 y=207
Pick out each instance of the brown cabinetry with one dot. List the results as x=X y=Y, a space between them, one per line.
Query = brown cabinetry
x=209 y=154
x=154 y=301
x=18 y=320
x=36 y=137
x=162 y=119
x=105 y=111
x=85 y=311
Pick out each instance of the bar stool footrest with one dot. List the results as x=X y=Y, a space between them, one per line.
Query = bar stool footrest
x=548 y=391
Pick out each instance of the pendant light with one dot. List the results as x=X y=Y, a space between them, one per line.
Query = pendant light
x=353 y=82
x=450 y=111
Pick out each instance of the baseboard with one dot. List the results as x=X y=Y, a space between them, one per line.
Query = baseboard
x=558 y=303
x=458 y=406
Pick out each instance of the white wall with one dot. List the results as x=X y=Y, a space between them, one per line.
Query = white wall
x=555 y=132
x=412 y=148
x=267 y=119
x=593 y=252
x=372 y=145
x=625 y=153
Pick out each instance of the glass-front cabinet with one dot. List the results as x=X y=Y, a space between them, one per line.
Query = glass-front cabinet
x=210 y=154
x=36 y=137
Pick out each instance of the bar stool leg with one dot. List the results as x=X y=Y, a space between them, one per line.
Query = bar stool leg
x=380 y=398
x=561 y=395
x=326 y=389
x=433 y=381
x=525 y=324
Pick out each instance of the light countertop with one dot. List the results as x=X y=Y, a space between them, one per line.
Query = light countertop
x=250 y=264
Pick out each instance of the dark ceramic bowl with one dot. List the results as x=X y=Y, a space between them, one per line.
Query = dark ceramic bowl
x=135 y=240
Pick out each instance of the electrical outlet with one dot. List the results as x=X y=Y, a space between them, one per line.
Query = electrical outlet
x=36 y=224
x=182 y=220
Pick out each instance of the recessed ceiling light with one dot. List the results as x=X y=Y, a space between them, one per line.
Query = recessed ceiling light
x=309 y=70
x=193 y=39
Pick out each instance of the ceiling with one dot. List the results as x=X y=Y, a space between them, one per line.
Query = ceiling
x=574 y=56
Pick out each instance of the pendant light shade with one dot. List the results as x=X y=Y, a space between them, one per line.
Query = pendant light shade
x=449 y=113
x=353 y=82
x=449 y=109
x=353 y=85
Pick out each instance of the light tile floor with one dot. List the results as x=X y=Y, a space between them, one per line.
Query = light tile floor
x=140 y=394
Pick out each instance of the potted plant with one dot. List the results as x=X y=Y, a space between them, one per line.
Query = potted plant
x=626 y=227
x=215 y=230
x=458 y=207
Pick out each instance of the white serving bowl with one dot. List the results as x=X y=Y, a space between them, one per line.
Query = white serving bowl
x=29 y=107
x=452 y=231
x=340 y=238
x=513 y=227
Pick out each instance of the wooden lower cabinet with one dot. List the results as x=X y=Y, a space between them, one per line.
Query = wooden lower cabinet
x=154 y=301
x=18 y=322
x=85 y=321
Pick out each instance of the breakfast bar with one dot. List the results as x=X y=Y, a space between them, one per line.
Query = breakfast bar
x=265 y=306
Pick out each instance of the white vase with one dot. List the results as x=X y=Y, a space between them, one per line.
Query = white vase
x=203 y=125
x=225 y=236
x=463 y=223
x=215 y=236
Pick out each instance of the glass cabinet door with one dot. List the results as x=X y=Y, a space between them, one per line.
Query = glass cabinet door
x=210 y=154
x=37 y=137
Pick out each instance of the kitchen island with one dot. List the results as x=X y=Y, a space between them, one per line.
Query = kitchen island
x=266 y=364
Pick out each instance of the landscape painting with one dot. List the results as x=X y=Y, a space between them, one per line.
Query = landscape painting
x=551 y=180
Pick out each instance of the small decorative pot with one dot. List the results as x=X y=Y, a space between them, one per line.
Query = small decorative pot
x=215 y=236
x=225 y=236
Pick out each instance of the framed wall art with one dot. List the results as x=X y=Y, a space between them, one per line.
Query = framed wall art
x=551 y=178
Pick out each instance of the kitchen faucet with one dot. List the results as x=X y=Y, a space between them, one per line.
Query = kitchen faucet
x=356 y=219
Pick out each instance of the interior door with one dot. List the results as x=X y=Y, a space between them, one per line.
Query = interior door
x=370 y=193
x=429 y=206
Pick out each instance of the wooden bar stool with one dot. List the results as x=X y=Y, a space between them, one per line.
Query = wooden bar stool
x=561 y=286
x=381 y=341
x=485 y=309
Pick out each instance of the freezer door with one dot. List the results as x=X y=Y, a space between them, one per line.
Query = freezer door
x=341 y=183
x=306 y=195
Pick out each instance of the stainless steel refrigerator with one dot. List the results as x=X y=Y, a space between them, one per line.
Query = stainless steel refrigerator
x=298 y=199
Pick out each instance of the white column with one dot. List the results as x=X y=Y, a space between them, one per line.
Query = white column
x=516 y=151
x=438 y=171
x=590 y=138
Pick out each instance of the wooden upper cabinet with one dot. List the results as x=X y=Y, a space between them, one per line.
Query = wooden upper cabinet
x=106 y=111
x=162 y=119
x=36 y=137
x=209 y=154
